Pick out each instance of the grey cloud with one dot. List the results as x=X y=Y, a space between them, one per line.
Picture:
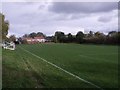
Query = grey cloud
x=108 y=17
x=82 y=7
x=104 y=19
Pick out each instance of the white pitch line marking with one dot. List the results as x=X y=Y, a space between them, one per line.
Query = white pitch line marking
x=62 y=69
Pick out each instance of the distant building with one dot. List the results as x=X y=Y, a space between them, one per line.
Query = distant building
x=40 y=39
x=37 y=39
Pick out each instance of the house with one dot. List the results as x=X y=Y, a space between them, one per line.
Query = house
x=37 y=39
x=40 y=39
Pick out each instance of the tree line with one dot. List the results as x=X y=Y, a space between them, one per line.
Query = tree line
x=113 y=37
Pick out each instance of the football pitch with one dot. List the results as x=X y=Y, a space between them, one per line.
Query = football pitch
x=60 y=66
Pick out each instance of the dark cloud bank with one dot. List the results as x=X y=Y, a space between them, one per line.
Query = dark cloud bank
x=83 y=7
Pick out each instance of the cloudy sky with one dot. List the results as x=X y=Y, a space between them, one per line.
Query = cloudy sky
x=69 y=17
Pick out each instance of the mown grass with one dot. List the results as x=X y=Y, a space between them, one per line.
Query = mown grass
x=97 y=64
x=0 y=67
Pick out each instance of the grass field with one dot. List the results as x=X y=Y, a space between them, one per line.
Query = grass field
x=0 y=67
x=97 y=64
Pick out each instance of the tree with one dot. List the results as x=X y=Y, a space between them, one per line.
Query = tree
x=32 y=35
x=97 y=34
x=40 y=34
x=4 y=26
x=59 y=36
x=99 y=38
x=12 y=38
x=70 y=37
x=113 y=37
x=90 y=34
x=112 y=33
x=79 y=37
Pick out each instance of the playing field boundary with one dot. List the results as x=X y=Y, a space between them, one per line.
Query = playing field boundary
x=62 y=69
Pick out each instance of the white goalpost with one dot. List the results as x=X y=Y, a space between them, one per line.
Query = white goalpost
x=10 y=46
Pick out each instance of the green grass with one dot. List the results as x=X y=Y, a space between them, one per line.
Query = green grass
x=94 y=63
x=0 y=67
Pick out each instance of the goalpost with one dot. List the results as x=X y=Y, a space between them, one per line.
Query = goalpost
x=10 y=46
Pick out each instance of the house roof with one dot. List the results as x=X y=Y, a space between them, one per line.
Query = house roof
x=39 y=37
x=33 y=39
